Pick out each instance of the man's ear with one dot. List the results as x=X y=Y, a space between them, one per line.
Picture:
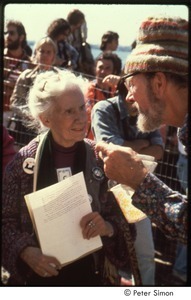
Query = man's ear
x=21 y=37
x=159 y=84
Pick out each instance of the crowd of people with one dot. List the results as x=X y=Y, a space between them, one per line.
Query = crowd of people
x=96 y=123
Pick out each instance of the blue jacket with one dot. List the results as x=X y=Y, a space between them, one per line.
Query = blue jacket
x=111 y=122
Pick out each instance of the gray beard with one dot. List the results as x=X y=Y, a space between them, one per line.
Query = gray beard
x=147 y=123
x=152 y=119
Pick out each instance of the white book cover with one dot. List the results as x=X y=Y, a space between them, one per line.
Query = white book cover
x=56 y=212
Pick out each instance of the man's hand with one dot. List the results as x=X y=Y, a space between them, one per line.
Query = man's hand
x=122 y=164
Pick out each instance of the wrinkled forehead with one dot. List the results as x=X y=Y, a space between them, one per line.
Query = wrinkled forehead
x=70 y=97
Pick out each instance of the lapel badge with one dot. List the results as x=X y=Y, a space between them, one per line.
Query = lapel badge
x=28 y=165
x=98 y=173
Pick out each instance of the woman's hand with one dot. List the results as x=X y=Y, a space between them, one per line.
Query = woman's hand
x=43 y=265
x=93 y=224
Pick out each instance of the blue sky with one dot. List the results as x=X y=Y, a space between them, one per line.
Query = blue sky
x=123 y=19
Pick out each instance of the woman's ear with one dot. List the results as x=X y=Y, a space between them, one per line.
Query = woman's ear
x=45 y=120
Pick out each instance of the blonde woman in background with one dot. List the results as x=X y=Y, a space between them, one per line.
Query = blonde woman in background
x=43 y=59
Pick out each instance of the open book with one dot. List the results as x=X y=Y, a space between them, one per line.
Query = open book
x=56 y=212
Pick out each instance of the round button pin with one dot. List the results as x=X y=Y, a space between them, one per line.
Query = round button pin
x=98 y=173
x=28 y=165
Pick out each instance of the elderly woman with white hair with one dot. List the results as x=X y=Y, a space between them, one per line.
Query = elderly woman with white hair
x=56 y=102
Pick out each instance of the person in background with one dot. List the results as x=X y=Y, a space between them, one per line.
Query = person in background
x=115 y=80
x=109 y=41
x=45 y=51
x=67 y=55
x=78 y=39
x=114 y=121
x=107 y=63
x=56 y=102
x=9 y=150
x=157 y=82
x=15 y=61
x=79 y=30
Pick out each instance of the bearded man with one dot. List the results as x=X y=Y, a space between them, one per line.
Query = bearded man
x=157 y=81
x=16 y=60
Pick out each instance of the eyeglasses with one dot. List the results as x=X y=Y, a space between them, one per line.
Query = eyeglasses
x=129 y=75
x=11 y=32
x=122 y=79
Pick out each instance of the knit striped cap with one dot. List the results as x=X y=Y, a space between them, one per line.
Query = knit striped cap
x=162 y=46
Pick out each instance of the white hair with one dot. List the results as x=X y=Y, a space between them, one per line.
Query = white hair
x=50 y=85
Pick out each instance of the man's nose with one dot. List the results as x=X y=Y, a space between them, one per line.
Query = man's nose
x=129 y=97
